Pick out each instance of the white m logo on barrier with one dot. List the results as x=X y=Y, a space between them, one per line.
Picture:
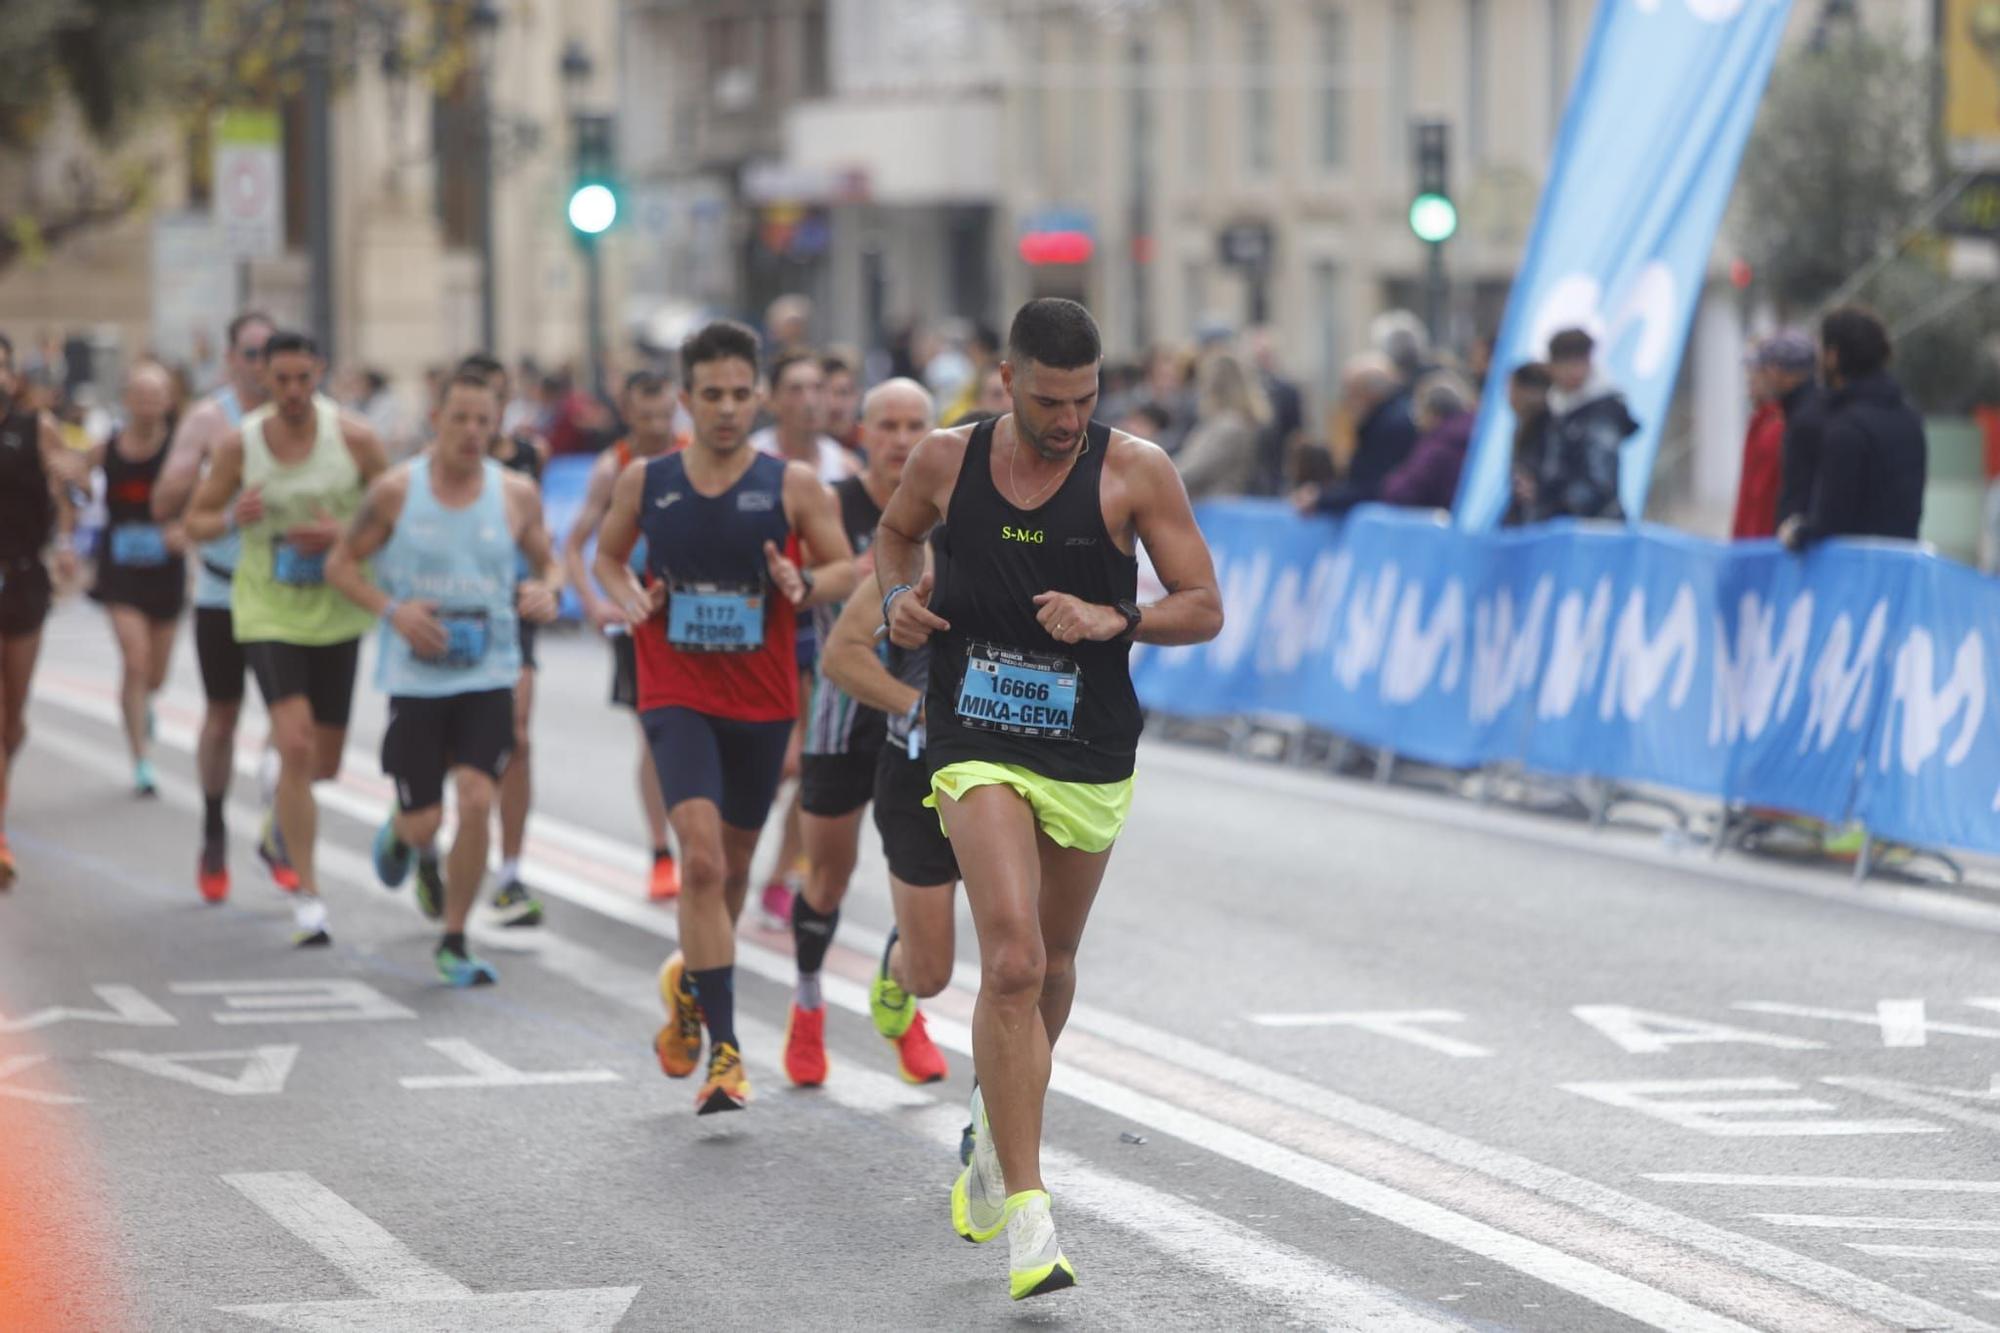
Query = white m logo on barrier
x=1639 y=664
x=1927 y=709
x=1576 y=651
x=1842 y=685
x=1505 y=660
x=1761 y=680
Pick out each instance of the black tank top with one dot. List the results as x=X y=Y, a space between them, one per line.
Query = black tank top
x=1065 y=711
x=128 y=486
x=27 y=509
x=522 y=457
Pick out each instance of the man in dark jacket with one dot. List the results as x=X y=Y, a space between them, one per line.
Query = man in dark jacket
x=1577 y=471
x=1869 y=478
x=1793 y=360
x=1384 y=431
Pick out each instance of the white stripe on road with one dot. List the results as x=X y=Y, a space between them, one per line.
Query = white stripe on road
x=1311 y=1293
x=1891 y=1183
x=489 y=1071
x=1399 y=1024
x=1940 y=1253
x=1836 y=1222
x=347 y=1238
x=1195 y=1070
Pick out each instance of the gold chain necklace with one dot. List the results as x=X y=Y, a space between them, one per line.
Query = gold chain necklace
x=1014 y=482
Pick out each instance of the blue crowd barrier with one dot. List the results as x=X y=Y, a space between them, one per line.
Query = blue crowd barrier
x=1852 y=682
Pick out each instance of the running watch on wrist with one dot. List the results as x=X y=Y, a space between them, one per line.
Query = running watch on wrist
x=1133 y=615
x=889 y=598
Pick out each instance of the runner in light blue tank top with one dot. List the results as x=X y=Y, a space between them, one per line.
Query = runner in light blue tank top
x=216 y=560
x=464 y=560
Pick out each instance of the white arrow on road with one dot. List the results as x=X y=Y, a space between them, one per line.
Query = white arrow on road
x=404 y=1292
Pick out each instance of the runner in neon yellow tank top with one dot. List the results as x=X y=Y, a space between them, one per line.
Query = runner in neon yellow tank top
x=288 y=480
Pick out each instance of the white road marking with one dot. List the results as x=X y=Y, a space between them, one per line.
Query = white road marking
x=1400 y=1024
x=1941 y=1253
x=408 y=1295
x=1706 y=1116
x=1895 y=1020
x=1836 y=1222
x=12 y=1065
x=1647 y=1032
x=1733 y=1282
x=1946 y=1102
x=123 y=1005
x=488 y=1071
x=364 y=1252
x=261 y=1070
x=321 y=1000
x=1894 y=1184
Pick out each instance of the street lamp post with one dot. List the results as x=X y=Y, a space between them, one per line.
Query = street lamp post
x=318 y=52
x=485 y=24
x=587 y=216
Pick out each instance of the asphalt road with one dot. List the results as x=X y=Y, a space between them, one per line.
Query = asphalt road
x=1393 y=1061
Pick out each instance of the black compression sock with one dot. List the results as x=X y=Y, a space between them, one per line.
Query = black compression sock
x=715 y=992
x=663 y=854
x=211 y=817
x=889 y=949
x=812 y=934
x=454 y=942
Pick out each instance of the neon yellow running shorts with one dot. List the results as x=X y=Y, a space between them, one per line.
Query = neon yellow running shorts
x=1085 y=815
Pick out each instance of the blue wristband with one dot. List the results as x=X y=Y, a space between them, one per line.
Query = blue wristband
x=889 y=597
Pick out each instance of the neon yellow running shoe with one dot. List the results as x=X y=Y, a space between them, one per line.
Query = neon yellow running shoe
x=979 y=1196
x=1036 y=1264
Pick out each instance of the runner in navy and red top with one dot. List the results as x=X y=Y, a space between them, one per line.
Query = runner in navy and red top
x=714 y=617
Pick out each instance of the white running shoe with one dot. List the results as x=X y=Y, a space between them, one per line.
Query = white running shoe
x=1036 y=1264
x=979 y=1195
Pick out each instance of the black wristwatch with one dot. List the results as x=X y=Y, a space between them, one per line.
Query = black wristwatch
x=1132 y=614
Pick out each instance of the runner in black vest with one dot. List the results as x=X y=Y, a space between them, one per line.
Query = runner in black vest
x=844 y=736
x=34 y=511
x=1033 y=723
x=526 y=453
x=141 y=563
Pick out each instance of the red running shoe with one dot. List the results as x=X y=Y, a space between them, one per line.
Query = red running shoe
x=917 y=1056
x=805 y=1047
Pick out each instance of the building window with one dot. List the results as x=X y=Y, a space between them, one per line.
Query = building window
x=1558 y=64
x=1330 y=48
x=1478 y=42
x=1259 y=115
x=1328 y=325
x=1201 y=80
x=1402 y=77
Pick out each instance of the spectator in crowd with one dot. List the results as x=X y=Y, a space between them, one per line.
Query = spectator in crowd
x=788 y=324
x=1763 y=455
x=1790 y=362
x=1288 y=413
x=1986 y=413
x=1169 y=385
x=840 y=397
x=1577 y=472
x=1428 y=478
x=524 y=411
x=1869 y=479
x=1373 y=397
x=1145 y=420
x=1219 y=457
x=1528 y=398
x=982 y=352
x=994 y=400
x=1401 y=336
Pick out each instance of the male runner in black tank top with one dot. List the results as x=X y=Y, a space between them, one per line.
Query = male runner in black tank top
x=1031 y=715
x=34 y=511
x=526 y=453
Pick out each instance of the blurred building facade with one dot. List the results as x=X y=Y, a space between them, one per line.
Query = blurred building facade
x=406 y=200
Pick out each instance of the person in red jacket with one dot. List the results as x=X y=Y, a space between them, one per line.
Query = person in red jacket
x=1763 y=450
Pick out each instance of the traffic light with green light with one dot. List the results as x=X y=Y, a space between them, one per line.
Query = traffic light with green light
x=1433 y=215
x=593 y=199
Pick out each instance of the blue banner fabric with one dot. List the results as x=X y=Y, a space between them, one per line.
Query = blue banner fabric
x=1852 y=682
x=1642 y=171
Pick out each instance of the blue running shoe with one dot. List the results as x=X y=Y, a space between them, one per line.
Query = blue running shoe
x=392 y=855
x=462 y=969
x=144 y=782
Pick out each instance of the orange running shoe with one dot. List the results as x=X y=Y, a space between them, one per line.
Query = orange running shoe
x=6 y=864
x=727 y=1088
x=917 y=1056
x=271 y=850
x=678 y=1044
x=805 y=1047
x=665 y=884
x=212 y=873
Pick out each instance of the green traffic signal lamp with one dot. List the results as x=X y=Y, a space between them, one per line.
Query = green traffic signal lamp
x=1433 y=218
x=593 y=207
